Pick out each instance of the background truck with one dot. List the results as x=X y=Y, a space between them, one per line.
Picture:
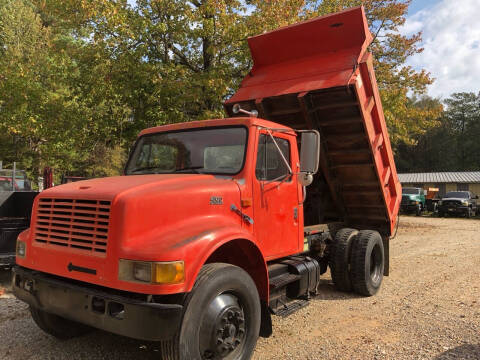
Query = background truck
x=413 y=200
x=219 y=224
x=458 y=203
x=16 y=201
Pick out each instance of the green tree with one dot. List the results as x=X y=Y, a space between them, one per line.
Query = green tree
x=103 y=70
x=451 y=146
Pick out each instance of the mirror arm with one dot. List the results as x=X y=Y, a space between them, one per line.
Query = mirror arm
x=282 y=177
x=280 y=151
x=304 y=193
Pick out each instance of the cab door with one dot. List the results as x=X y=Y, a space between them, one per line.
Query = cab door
x=276 y=205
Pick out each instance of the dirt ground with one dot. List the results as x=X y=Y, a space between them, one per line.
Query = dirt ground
x=428 y=308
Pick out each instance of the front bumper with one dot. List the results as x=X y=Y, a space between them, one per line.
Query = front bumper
x=407 y=208
x=97 y=307
x=452 y=209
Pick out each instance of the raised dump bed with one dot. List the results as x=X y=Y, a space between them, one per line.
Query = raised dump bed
x=319 y=75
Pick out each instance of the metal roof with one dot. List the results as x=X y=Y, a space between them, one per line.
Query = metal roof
x=469 y=177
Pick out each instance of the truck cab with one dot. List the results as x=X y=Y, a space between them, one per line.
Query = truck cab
x=413 y=200
x=217 y=225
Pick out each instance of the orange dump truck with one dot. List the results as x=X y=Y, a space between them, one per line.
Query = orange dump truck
x=217 y=225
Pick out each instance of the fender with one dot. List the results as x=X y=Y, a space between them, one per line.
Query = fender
x=193 y=240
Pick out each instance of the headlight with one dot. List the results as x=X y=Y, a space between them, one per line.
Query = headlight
x=21 y=249
x=465 y=203
x=171 y=272
x=414 y=202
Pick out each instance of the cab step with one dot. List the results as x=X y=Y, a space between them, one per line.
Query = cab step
x=291 y=307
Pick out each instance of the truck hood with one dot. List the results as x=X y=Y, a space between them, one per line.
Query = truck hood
x=411 y=196
x=165 y=217
x=456 y=199
x=151 y=213
x=111 y=187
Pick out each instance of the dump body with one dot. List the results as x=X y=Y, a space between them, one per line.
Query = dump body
x=319 y=75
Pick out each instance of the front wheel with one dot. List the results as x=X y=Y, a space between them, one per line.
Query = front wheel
x=469 y=213
x=58 y=326
x=221 y=319
x=418 y=210
x=368 y=262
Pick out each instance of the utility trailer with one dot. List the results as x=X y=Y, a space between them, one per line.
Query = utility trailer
x=15 y=211
x=218 y=224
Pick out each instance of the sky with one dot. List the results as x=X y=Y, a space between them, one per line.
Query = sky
x=451 y=42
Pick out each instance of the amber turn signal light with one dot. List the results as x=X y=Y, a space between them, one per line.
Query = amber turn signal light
x=169 y=272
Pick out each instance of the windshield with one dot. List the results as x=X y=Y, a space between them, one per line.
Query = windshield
x=411 y=191
x=457 y=194
x=205 y=150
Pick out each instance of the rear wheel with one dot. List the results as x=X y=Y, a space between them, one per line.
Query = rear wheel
x=221 y=319
x=58 y=326
x=340 y=258
x=368 y=262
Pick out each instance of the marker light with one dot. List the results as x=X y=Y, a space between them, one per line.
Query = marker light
x=21 y=248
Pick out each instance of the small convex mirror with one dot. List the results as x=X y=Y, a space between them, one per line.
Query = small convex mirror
x=310 y=152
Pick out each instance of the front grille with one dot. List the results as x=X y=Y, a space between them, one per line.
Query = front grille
x=405 y=200
x=75 y=224
x=451 y=203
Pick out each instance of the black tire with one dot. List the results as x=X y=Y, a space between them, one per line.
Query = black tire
x=340 y=258
x=468 y=214
x=367 y=262
x=213 y=281
x=441 y=214
x=418 y=210
x=58 y=326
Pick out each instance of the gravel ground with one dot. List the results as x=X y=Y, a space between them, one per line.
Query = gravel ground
x=428 y=308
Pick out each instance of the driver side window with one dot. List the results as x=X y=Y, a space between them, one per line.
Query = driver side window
x=270 y=165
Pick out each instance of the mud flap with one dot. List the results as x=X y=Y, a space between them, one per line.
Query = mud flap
x=386 y=254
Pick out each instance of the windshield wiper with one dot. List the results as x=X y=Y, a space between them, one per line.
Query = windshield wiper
x=143 y=168
x=193 y=168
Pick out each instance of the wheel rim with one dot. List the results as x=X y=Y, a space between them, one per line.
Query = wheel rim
x=223 y=328
x=376 y=262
